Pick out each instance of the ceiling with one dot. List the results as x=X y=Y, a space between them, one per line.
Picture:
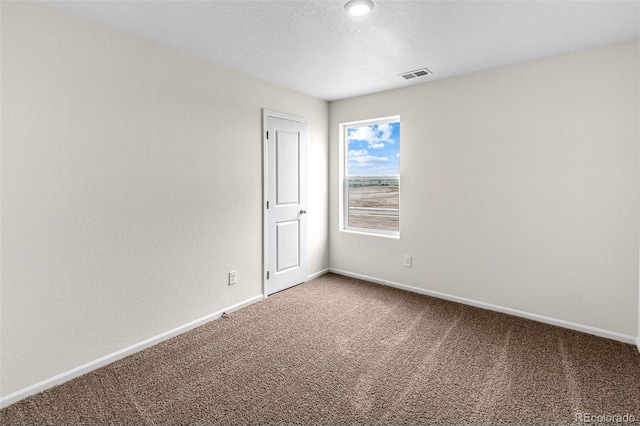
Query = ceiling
x=314 y=47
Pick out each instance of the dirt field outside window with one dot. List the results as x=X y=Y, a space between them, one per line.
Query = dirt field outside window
x=374 y=207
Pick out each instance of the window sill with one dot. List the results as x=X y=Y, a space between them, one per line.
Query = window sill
x=395 y=236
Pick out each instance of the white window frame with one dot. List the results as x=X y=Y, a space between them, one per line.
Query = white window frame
x=344 y=191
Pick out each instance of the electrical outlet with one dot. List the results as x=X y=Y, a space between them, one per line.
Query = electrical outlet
x=233 y=277
x=407 y=261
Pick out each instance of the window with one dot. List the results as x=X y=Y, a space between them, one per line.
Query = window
x=371 y=177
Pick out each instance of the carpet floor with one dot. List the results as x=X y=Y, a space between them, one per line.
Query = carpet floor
x=337 y=350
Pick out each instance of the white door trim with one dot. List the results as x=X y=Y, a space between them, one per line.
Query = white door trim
x=265 y=229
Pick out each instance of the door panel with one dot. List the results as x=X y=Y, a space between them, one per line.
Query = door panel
x=286 y=198
x=287 y=167
x=288 y=245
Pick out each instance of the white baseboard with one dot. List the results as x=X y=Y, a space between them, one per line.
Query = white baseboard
x=540 y=318
x=108 y=359
x=115 y=356
x=317 y=274
x=638 y=342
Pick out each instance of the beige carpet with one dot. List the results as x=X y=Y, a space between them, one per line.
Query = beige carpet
x=342 y=351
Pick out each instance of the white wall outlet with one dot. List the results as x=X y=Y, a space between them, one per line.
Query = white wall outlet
x=407 y=261
x=233 y=277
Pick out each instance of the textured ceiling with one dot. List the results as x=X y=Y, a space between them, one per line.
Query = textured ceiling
x=314 y=47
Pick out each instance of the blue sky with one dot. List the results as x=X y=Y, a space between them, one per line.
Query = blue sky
x=374 y=150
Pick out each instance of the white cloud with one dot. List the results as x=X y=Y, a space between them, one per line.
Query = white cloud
x=385 y=131
x=375 y=138
x=361 y=158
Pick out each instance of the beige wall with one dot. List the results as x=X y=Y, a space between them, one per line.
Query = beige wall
x=519 y=188
x=131 y=185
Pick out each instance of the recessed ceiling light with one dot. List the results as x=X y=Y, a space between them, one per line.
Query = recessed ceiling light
x=358 y=7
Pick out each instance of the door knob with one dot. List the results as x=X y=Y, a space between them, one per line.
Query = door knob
x=303 y=212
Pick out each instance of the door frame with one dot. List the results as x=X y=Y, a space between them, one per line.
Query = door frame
x=266 y=113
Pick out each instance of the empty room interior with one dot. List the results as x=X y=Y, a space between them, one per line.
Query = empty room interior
x=320 y=212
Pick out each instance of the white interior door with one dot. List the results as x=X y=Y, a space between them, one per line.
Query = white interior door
x=285 y=201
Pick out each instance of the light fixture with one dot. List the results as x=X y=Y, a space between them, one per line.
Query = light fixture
x=358 y=7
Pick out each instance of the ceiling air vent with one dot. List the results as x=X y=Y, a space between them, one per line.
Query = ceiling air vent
x=415 y=73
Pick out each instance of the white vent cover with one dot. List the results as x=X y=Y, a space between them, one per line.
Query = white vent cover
x=415 y=73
